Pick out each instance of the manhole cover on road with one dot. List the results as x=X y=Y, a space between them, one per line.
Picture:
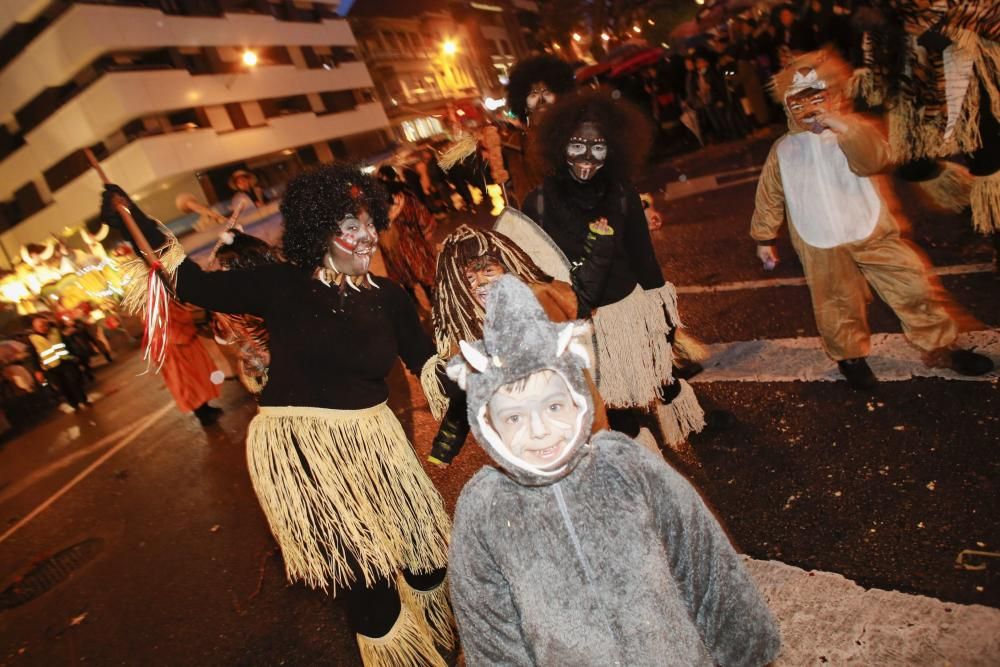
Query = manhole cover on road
x=47 y=574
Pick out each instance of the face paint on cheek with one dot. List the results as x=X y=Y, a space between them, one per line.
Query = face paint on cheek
x=345 y=244
x=586 y=151
x=353 y=247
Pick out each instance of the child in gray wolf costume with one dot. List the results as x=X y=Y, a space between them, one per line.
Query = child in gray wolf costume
x=579 y=549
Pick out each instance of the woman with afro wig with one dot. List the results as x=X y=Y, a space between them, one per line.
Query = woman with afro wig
x=343 y=492
x=589 y=147
x=535 y=84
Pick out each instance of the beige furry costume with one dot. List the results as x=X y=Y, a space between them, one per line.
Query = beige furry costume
x=841 y=227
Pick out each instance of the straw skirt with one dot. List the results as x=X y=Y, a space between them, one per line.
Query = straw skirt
x=338 y=482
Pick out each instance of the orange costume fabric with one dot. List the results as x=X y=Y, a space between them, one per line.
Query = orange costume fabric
x=187 y=367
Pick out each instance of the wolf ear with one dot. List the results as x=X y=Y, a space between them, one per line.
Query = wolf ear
x=565 y=336
x=474 y=357
x=459 y=374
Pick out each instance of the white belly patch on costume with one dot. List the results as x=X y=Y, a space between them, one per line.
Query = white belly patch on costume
x=828 y=204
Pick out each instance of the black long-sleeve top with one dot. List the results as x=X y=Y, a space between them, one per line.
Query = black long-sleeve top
x=564 y=208
x=327 y=350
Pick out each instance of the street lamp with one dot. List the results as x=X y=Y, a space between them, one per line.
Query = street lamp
x=449 y=47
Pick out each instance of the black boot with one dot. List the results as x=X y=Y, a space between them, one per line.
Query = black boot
x=207 y=414
x=857 y=373
x=967 y=362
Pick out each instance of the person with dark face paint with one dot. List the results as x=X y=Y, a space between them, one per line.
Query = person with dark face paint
x=536 y=84
x=590 y=145
x=339 y=483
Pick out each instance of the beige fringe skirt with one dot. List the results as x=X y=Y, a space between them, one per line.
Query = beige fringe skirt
x=635 y=360
x=333 y=482
x=634 y=357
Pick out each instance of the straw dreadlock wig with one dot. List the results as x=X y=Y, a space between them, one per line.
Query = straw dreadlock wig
x=555 y=73
x=457 y=313
x=317 y=200
x=626 y=130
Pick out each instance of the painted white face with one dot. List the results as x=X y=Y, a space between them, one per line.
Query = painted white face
x=586 y=151
x=353 y=247
x=535 y=418
x=539 y=97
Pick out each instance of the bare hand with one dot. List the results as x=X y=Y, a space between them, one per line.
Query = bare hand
x=768 y=256
x=833 y=121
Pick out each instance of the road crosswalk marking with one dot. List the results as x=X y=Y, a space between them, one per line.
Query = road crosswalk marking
x=826 y=618
x=892 y=358
x=767 y=283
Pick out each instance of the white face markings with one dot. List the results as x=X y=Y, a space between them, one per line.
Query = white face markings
x=535 y=418
x=352 y=248
x=586 y=151
x=539 y=97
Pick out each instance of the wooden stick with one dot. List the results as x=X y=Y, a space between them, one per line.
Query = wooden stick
x=122 y=207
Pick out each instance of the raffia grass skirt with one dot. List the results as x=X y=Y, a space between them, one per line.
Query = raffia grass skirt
x=333 y=482
x=634 y=357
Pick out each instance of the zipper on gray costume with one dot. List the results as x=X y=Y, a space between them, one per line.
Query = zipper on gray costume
x=587 y=572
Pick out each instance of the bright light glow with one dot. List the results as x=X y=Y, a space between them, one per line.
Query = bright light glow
x=577 y=37
x=459 y=112
x=699 y=2
x=493 y=104
x=249 y=58
x=450 y=48
x=664 y=45
x=636 y=29
x=557 y=47
x=370 y=169
x=605 y=36
x=650 y=21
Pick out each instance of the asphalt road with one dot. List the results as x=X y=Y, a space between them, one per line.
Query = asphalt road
x=170 y=561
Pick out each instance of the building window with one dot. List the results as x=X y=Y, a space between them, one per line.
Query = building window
x=338 y=101
x=285 y=106
x=28 y=200
x=66 y=170
x=9 y=142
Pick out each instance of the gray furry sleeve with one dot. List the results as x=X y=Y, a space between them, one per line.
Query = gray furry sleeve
x=732 y=617
x=484 y=607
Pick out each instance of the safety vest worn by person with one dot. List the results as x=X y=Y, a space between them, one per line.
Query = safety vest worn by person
x=51 y=348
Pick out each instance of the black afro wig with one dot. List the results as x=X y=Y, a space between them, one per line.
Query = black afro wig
x=625 y=129
x=317 y=200
x=555 y=73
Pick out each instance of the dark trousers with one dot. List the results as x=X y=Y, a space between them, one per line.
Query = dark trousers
x=373 y=610
x=66 y=377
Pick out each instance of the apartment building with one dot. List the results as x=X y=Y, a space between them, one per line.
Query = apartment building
x=171 y=96
x=436 y=62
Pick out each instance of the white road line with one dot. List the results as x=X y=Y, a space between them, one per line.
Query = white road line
x=892 y=358
x=143 y=427
x=954 y=270
x=42 y=473
x=695 y=186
